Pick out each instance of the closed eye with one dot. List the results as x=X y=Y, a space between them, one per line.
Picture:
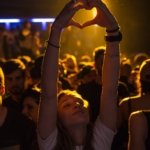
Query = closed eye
x=67 y=105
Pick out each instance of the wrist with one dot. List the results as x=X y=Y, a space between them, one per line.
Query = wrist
x=54 y=36
x=55 y=28
x=113 y=37
x=112 y=30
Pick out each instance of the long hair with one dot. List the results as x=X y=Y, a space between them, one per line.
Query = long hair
x=64 y=142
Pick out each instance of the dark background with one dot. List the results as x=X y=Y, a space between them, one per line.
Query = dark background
x=133 y=16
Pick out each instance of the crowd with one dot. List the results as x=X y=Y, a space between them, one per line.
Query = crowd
x=65 y=103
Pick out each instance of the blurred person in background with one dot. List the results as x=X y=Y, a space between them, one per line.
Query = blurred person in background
x=16 y=131
x=14 y=71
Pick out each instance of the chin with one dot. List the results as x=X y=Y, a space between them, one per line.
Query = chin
x=82 y=120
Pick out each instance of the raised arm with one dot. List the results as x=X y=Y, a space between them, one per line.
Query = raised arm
x=110 y=76
x=108 y=110
x=48 y=106
x=110 y=73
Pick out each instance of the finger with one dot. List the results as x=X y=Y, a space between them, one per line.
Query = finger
x=89 y=23
x=78 y=5
x=72 y=22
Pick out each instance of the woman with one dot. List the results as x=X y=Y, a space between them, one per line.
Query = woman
x=71 y=114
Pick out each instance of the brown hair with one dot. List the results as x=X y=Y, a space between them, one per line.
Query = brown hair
x=64 y=142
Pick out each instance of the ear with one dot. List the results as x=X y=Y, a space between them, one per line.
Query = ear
x=2 y=90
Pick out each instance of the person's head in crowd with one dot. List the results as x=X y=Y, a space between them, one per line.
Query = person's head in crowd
x=26 y=24
x=35 y=71
x=98 y=59
x=2 y=85
x=62 y=69
x=139 y=58
x=25 y=59
x=14 y=71
x=145 y=76
x=86 y=58
x=71 y=64
x=31 y=100
x=125 y=69
x=86 y=74
x=26 y=29
x=35 y=76
x=29 y=64
x=73 y=81
x=39 y=60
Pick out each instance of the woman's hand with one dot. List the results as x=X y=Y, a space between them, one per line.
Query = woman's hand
x=64 y=18
x=104 y=18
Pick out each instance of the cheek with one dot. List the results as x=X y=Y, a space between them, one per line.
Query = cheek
x=64 y=118
x=87 y=115
x=21 y=82
x=34 y=111
x=24 y=110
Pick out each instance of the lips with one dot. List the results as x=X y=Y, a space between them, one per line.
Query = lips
x=79 y=111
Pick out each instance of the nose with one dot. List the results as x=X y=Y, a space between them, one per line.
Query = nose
x=13 y=82
x=78 y=105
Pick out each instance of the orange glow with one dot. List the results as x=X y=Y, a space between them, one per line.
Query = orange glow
x=85 y=15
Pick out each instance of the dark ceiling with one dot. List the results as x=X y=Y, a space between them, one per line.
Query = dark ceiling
x=30 y=8
x=51 y=7
x=133 y=16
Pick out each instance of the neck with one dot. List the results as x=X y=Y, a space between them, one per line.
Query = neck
x=78 y=134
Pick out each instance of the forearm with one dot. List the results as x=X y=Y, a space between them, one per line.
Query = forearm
x=110 y=77
x=50 y=65
x=48 y=105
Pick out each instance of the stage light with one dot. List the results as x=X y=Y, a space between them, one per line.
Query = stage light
x=44 y=21
x=9 y=20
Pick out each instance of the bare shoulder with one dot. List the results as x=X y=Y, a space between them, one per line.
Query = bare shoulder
x=125 y=102
x=138 y=122
x=138 y=130
x=137 y=116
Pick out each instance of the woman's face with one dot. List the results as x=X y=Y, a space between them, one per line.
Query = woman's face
x=73 y=111
x=30 y=108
